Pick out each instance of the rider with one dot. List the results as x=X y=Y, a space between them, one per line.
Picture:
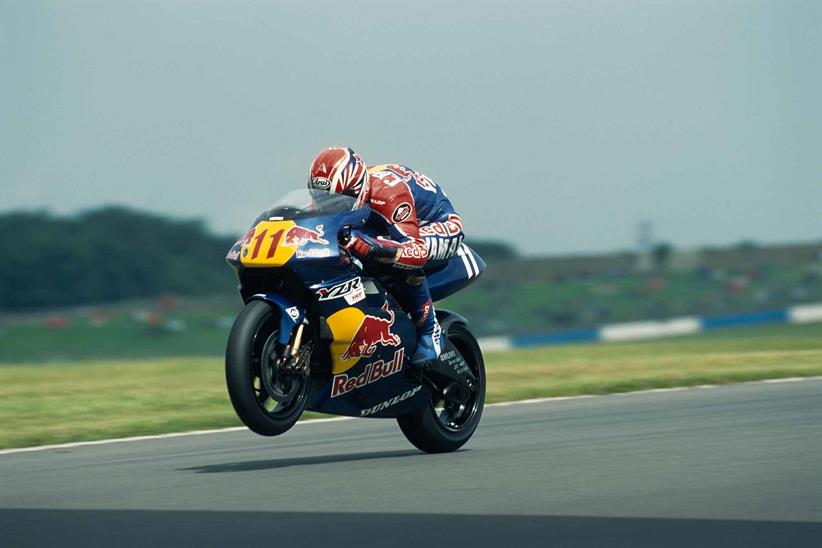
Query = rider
x=419 y=220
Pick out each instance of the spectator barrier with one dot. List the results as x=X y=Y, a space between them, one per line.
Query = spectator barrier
x=634 y=331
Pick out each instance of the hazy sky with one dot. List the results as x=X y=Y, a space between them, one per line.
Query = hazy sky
x=559 y=125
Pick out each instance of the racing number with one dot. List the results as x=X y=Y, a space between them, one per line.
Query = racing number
x=275 y=240
x=389 y=178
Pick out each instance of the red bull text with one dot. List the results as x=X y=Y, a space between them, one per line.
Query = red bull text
x=343 y=384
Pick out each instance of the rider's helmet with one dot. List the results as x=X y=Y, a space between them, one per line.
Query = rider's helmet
x=341 y=170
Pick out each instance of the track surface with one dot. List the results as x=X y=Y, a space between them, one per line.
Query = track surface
x=731 y=466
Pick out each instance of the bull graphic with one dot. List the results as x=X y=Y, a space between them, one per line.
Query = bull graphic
x=299 y=236
x=372 y=331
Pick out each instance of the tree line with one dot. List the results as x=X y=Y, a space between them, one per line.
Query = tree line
x=105 y=255
x=116 y=253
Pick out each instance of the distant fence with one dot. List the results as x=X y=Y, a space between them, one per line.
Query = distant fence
x=634 y=331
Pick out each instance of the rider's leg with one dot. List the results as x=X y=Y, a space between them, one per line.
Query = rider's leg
x=442 y=239
x=413 y=294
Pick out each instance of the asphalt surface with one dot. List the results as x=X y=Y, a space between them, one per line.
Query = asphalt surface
x=730 y=466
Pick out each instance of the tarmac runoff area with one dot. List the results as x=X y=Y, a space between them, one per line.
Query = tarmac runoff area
x=737 y=465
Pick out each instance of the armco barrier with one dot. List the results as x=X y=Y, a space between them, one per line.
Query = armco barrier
x=633 y=331
x=805 y=313
x=738 y=320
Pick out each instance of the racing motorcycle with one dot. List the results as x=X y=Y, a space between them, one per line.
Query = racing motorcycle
x=320 y=331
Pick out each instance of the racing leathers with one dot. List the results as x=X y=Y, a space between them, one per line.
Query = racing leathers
x=423 y=231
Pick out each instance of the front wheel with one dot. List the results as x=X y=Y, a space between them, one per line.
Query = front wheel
x=440 y=425
x=250 y=352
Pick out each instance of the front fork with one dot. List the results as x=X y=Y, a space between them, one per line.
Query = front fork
x=283 y=369
x=296 y=356
x=285 y=362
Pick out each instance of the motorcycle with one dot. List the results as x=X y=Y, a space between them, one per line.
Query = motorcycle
x=321 y=332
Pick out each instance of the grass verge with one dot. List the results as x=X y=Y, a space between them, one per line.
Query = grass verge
x=42 y=404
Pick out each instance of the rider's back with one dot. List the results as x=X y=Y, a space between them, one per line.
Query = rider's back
x=392 y=183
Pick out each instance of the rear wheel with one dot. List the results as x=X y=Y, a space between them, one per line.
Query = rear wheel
x=445 y=425
x=250 y=352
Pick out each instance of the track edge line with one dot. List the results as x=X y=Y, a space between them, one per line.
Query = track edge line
x=71 y=445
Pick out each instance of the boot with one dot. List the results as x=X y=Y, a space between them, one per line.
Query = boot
x=428 y=336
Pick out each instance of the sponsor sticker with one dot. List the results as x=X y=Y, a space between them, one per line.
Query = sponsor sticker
x=401 y=212
x=293 y=311
x=442 y=248
x=414 y=251
x=343 y=383
x=320 y=183
x=372 y=331
x=313 y=253
x=450 y=227
x=351 y=290
x=455 y=361
x=299 y=236
x=388 y=403
x=426 y=310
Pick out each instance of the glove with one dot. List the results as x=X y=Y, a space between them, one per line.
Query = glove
x=360 y=246
x=367 y=248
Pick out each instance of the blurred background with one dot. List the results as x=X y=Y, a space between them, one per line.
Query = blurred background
x=613 y=161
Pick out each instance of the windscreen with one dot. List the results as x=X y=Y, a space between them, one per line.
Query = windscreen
x=306 y=202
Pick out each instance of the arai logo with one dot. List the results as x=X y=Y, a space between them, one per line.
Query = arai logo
x=320 y=183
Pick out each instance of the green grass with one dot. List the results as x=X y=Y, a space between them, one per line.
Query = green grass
x=121 y=337
x=715 y=358
x=53 y=403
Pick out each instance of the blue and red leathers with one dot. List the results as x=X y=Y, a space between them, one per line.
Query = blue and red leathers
x=423 y=230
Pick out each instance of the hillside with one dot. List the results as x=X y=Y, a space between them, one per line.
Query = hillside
x=106 y=255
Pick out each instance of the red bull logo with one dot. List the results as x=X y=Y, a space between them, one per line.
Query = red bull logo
x=299 y=236
x=372 y=331
x=343 y=383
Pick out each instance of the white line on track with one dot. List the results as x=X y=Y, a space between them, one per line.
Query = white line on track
x=337 y=419
x=789 y=379
x=151 y=437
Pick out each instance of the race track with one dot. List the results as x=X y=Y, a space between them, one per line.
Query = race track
x=730 y=466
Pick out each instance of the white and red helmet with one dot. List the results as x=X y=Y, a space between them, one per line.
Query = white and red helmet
x=341 y=170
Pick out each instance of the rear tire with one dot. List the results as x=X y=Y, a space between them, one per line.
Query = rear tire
x=434 y=431
x=248 y=345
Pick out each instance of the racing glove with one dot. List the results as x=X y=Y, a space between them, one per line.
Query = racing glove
x=367 y=248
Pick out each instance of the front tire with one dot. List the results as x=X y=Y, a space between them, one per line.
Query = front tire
x=249 y=348
x=436 y=429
